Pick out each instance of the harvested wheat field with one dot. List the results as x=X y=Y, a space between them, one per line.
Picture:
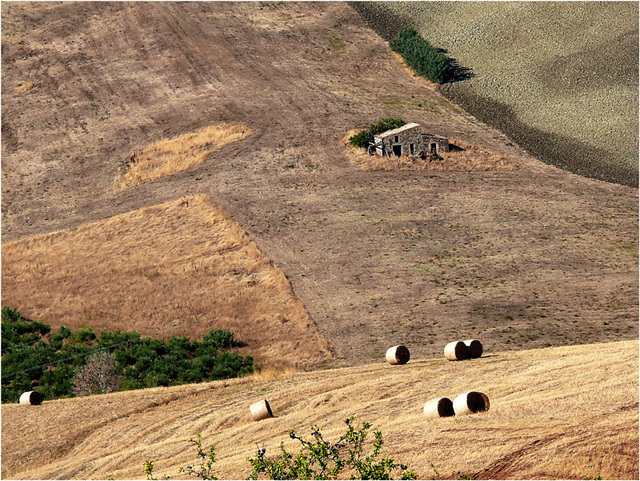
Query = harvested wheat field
x=562 y=412
x=179 y=268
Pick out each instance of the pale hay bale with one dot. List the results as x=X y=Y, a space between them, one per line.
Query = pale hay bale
x=439 y=408
x=397 y=355
x=31 y=398
x=456 y=351
x=261 y=410
x=470 y=403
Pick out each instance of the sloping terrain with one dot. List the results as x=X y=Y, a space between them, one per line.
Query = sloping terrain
x=521 y=258
x=179 y=268
x=556 y=413
x=560 y=78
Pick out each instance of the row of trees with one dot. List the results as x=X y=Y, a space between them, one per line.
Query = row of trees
x=428 y=61
x=67 y=363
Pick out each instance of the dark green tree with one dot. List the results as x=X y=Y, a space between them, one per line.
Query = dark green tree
x=365 y=137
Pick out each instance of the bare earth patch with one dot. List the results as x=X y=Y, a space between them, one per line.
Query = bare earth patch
x=177 y=154
x=179 y=268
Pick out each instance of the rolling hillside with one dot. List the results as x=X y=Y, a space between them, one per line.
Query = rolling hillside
x=312 y=257
x=135 y=271
x=526 y=258
x=556 y=413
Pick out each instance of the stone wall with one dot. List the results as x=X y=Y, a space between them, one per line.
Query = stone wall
x=403 y=141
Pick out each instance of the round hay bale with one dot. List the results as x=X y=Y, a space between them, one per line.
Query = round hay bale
x=261 y=410
x=397 y=355
x=456 y=351
x=441 y=407
x=475 y=348
x=470 y=403
x=31 y=398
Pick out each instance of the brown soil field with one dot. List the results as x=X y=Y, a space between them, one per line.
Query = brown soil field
x=523 y=258
x=137 y=271
x=555 y=413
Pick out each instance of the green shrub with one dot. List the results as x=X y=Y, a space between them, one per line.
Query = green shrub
x=317 y=459
x=365 y=137
x=427 y=60
x=361 y=139
x=35 y=358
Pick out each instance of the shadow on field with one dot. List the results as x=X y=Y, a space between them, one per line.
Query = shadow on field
x=554 y=149
x=379 y=18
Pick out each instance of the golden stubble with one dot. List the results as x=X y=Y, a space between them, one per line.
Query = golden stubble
x=177 y=154
x=563 y=412
x=179 y=268
x=471 y=158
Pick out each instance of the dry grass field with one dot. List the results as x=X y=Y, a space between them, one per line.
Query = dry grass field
x=522 y=258
x=179 y=268
x=556 y=413
x=537 y=262
x=180 y=153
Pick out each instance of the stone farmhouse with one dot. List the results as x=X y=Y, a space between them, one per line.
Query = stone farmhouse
x=408 y=140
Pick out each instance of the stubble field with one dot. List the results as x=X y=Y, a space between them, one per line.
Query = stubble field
x=523 y=258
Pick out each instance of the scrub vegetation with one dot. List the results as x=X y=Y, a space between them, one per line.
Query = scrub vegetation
x=67 y=363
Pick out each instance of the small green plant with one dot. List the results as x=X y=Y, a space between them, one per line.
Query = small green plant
x=148 y=470
x=319 y=459
x=363 y=138
x=207 y=459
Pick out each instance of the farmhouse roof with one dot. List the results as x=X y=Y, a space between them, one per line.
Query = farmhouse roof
x=410 y=126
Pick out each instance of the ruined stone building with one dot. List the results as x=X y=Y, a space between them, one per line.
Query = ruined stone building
x=408 y=140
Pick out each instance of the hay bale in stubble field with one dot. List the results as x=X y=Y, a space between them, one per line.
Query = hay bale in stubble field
x=261 y=410
x=475 y=348
x=456 y=351
x=470 y=403
x=439 y=408
x=31 y=398
x=397 y=355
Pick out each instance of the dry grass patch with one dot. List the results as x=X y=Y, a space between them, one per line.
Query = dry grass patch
x=180 y=153
x=179 y=268
x=25 y=87
x=471 y=158
x=563 y=413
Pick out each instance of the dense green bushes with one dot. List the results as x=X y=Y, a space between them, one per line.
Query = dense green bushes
x=363 y=138
x=427 y=60
x=33 y=357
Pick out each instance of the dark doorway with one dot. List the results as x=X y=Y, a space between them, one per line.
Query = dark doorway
x=433 y=148
x=397 y=150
